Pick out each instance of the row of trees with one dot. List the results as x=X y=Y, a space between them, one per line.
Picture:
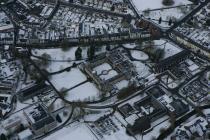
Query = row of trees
x=90 y=53
x=125 y=92
x=155 y=54
x=169 y=22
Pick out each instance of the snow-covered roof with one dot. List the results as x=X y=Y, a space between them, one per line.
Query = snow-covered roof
x=25 y=134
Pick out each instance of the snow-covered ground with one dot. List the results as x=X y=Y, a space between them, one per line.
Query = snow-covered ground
x=83 y=92
x=103 y=67
x=142 y=5
x=139 y=55
x=122 y=84
x=57 y=54
x=169 y=48
x=57 y=104
x=68 y=79
x=166 y=14
x=77 y=132
x=141 y=69
x=129 y=46
x=63 y=59
x=105 y=71
x=156 y=131
x=110 y=74
x=56 y=66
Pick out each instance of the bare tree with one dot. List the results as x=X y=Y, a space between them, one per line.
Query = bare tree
x=167 y=2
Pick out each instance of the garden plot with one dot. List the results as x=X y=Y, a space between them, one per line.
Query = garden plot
x=57 y=54
x=170 y=12
x=130 y=46
x=57 y=66
x=105 y=71
x=86 y=91
x=139 y=55
x=142 y=69
x=103 y=67
x=108 y=74
x=156 y=130
x=160 y=42
x=5 y=22
x=169 y=49
x=122 y=84
x=68 y=80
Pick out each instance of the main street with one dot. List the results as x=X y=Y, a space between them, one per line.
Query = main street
x=115 y=38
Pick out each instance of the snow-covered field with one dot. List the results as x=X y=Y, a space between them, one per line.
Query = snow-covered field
x=103 y=67
x=57 y=54
x=119 y=135
x=94 y=115
x=68 y=79
x=139 y=55
x=166 y=15
x=3 y=22
x=156 y=131
x=105 y=71
x=110 y=74
x=83 y=92
x=78 y=132
x=169 y=48
x=122 y=84
x=62 y=58
x=142 y=5
x=141 y=68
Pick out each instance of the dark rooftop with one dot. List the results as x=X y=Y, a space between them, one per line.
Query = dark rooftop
x=139 y=126
x=180 y=107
